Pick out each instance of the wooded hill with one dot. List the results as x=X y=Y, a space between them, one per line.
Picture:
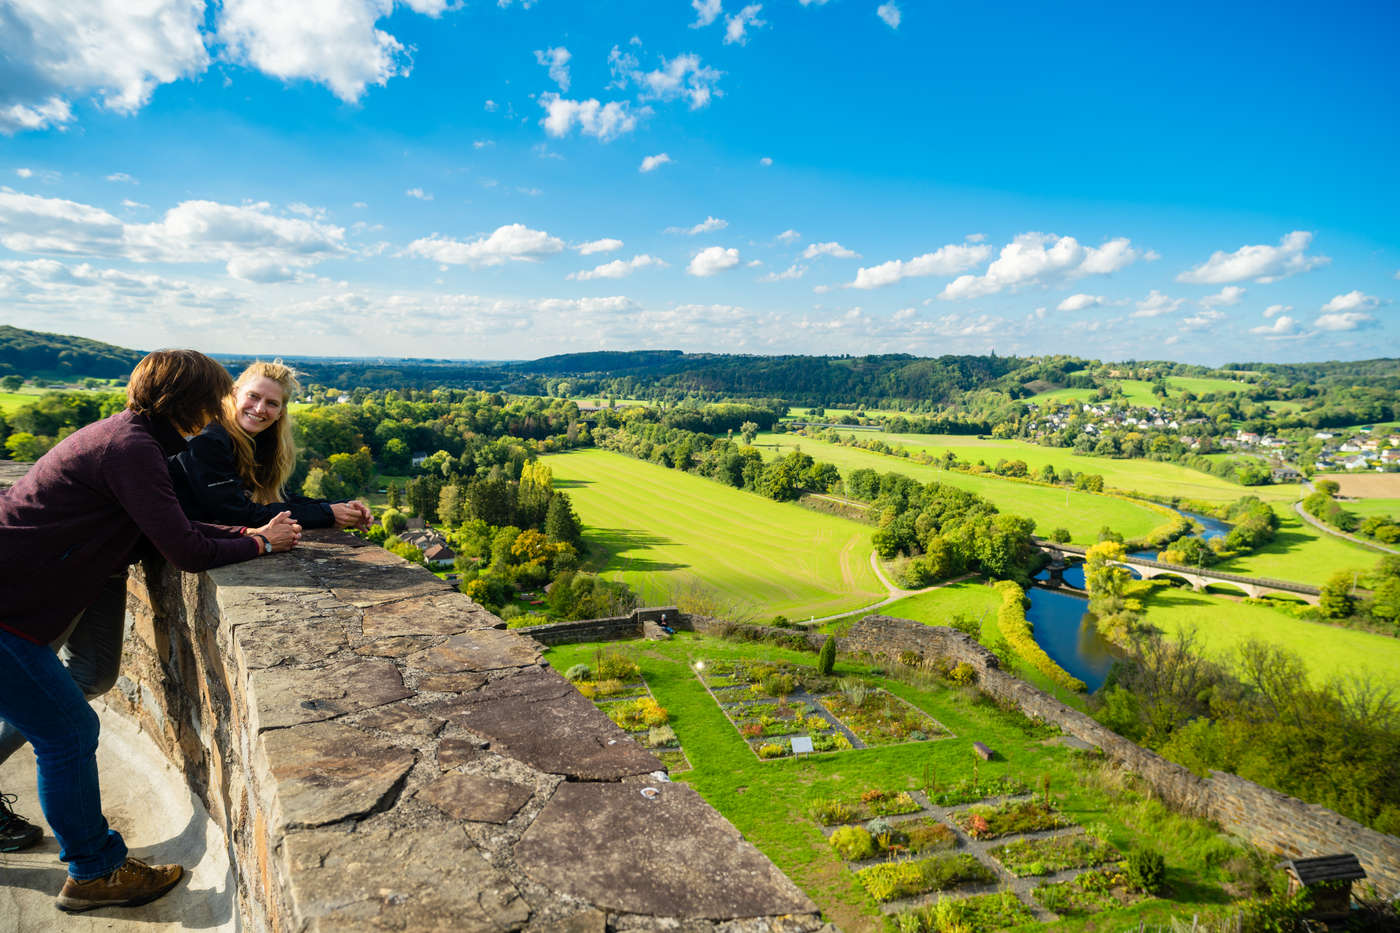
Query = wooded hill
x=59 y=356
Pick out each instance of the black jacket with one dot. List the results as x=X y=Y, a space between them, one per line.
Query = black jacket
x=209 y=488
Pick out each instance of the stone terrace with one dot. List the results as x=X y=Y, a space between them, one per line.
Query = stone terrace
x=383 y=755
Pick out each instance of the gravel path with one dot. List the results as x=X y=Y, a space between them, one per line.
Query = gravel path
x=1337 y=532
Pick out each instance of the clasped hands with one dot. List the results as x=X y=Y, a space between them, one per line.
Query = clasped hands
x=282 y=533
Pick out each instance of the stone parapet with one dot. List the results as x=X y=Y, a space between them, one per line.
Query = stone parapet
x=1266 y=818
x=382 y=755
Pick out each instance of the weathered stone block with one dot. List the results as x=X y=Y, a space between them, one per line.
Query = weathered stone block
x=481 y=650
x=476 y=797
x=325 y=772
x=284 y=696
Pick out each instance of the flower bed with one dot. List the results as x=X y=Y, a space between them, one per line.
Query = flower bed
x=970 y=790
x=763 y=678
x=890 y=881
x=982 y=913
x=1029 y=857
x=638 y=715
x=1089 y=893
x=872 y=803
x=619 y=690
x=878 y=717
x=882 y=837
x=1014 y=816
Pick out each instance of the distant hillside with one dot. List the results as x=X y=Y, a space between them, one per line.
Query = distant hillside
x=59 y=356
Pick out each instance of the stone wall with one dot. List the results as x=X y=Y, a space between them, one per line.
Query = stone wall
x=635 y=625
x=383 y=755
x=1264 y=817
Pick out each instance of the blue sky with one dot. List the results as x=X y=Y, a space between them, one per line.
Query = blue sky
x=517 y=178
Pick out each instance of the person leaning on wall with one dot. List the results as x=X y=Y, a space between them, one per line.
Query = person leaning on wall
x=68 y=530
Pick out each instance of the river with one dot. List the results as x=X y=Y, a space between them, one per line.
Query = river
x=1060 y=626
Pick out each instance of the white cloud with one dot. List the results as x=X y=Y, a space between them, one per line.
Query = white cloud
x=1203 y=319
x=1227 y=296
x=1282 y=326
x=122 y=177
x=682 y=77
x=705 y=12
x=1080 y=302
x=557 y=61
x=1351 y=301
x=708 y=225
x=254 y=243
x=512 y=242
x=1272 y=310
x=787 y=236
x=606 y=245
x=127 y=202
x=1033 y=257
x=889 y=12
x=766 y=161
x=1344 y=320
x=489 y=106
x=524 y=4
x=483 y=143
x=24 y=172
x=618 y=268
x=814 y=250
x=1263 y=264
x=606 y=122
x=712 y=260
x=1156 y=304
x=946 y=260
x=419 y=193
x=335 y=43
x=653 y=162
x=793 y=271
x=976 y=238
x=116 y=52
x=735 y=26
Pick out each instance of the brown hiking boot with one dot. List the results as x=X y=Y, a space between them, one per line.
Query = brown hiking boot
x=133 y=883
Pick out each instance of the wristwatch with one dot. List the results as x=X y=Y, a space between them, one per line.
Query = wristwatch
x=266 y=544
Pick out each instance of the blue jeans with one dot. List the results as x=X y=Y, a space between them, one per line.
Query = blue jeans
x=91 y=650
x=39 y=698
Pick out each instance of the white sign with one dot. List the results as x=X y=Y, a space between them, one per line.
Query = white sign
x=802 y=745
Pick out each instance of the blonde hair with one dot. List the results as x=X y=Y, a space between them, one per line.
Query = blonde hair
x=264 y=478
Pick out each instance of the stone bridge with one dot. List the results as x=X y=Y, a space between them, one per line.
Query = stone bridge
x=1198 y=577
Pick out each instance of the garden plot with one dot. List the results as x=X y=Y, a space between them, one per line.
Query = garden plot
x=618 y=689
x=771 y=704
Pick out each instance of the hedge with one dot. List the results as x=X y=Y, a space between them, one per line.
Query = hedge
x=1011 y=620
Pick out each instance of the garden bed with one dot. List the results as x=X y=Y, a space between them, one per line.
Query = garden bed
x=1027 y=858
x=615 y=685
x=1011 y=818
x=981 y=913
x=831 y=811
x=971 y=790
x=890 y=838
x=1089 y=893
x=878 y=717
x=891 y=881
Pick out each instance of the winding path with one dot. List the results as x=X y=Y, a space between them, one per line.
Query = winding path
x=1338 y=533
x=895 y=593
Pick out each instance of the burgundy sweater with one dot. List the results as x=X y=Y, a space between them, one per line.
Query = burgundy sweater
x=79 y=513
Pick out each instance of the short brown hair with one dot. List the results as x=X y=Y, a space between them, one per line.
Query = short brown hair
x=183 y=386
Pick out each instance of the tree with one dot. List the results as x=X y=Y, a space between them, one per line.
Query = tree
x=452 y=505
x=561 y=524
x=1060 y=535
x=25 y=446
x=826 y=658
x=748 y=430
x=11 y=383
x=535 y=489
x=393 y=521
x=395 y=496
x=320 y=484
x=1335 y=600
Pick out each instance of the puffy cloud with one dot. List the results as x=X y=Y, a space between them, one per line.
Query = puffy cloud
x=605 y=245
x=1283 y=326
x=735 y=26
x=713 y=260
x=254 y=242
x=682 y=77
x=708 y=225
x=1261 y=263
x=889 y=12
x=787 y=236
x=793 y=271
x=1156 y=304
x=1034 y=257
x=706 y=11
x=653 y=162
x=976 y=238
x=814 y=250
x=122 y=177
x=1227 y=296
x=1351 y=301
x=1080 y=302
x=618 y=268
x=766 y=161
x=512 y=242
x=24 y=172
x=946 y=260
x=118 y=52
x=606 y=122
x=1344 y=320
x=1272 y=310
x=419 y=194
x=1203 y=319
x=335 y=43
x=557 y=61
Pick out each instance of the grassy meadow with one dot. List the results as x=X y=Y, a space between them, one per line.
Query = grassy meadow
x=1082 y=513
x=660 y=529
x=1303 y=553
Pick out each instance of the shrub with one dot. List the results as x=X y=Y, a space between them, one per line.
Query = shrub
x=618 y=667
x=610 y=687
x=829 y=812
x=826 y=658
x=853 y=843
x=1146 y=870
x=777 y=685
x=878 y=826
x=963 y=674
x=660 y=736
x=771 y=750
x=856 y=692
x=831 y=742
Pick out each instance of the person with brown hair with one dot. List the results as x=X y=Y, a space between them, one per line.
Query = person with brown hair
x=235 y=471
x=68 y=530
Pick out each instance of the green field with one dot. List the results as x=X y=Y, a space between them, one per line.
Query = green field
x=1149 y=477
x=1327 y=650
x=10 y=401
x=1300 y=552
x=1368 y=507
x=1082 y=513
x=1199 y=385
x=662 y=530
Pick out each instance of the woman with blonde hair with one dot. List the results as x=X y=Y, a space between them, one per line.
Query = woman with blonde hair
x=235 y=472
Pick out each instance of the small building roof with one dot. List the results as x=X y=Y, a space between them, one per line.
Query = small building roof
x=1345 y=867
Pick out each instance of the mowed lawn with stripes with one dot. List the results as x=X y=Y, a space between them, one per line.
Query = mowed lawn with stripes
x=663 y=531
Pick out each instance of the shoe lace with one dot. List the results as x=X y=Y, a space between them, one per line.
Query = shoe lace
x=7 y=812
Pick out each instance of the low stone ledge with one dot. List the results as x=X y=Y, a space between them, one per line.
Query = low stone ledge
x=382 y=756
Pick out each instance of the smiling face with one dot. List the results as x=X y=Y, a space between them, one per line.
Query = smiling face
x=258 y=405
